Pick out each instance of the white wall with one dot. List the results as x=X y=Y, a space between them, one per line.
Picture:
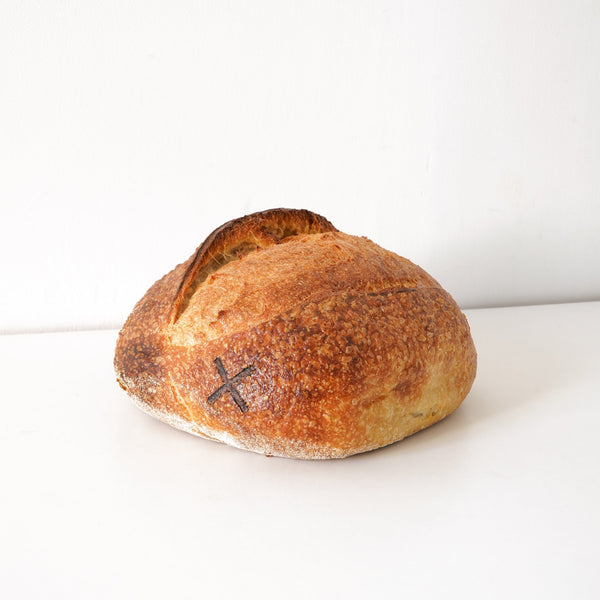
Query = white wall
x=463 y=135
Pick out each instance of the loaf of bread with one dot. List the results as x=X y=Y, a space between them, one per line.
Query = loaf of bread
x=284 y=336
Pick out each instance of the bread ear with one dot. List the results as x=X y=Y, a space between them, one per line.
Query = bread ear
x=239 y=237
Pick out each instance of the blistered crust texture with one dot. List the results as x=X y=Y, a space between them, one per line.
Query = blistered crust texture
x=311 y=344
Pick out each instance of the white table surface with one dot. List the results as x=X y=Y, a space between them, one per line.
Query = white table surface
x=500 y=500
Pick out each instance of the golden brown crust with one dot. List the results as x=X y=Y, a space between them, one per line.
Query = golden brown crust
x=313 y=344
x=237 y=238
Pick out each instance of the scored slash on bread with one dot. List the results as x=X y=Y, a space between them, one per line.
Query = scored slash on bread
x=285 y=336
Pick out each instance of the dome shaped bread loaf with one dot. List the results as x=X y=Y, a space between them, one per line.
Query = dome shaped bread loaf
x=284 y=336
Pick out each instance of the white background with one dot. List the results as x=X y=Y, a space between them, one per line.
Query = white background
x=465 y=136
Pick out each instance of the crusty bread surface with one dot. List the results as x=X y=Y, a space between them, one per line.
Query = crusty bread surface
x=284 y=336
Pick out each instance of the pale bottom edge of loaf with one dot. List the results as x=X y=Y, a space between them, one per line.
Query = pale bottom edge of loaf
x=297 y=452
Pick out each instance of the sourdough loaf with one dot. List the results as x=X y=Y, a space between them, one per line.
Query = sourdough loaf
x=284 y=336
